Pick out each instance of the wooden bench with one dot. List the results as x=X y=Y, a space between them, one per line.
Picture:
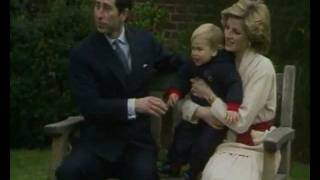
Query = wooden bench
x=162 y=130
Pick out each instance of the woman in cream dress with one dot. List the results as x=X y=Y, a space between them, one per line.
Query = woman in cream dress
x=247 y=34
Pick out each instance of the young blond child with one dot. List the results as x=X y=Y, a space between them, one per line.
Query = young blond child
x=195 y=141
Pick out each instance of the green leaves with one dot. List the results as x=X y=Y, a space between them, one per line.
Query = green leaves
x=150 y=17
x=38 y=61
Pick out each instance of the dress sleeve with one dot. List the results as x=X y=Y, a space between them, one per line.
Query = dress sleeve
x=256 y=93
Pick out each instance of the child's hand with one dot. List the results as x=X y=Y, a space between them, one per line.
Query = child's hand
x=172 y=99
x=232 y=117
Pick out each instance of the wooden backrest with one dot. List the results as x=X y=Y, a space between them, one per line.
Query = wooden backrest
x=285 y=94
x=285 y=90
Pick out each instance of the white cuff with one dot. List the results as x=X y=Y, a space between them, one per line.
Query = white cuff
x=188 y=109
x=218 y=110
x=131 y=108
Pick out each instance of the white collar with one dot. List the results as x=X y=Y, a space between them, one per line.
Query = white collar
x=121 y=38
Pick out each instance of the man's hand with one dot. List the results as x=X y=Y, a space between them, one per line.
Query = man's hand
x=151 y=105
x=173 y=99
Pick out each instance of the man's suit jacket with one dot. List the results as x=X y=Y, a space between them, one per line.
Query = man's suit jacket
x=101 y=87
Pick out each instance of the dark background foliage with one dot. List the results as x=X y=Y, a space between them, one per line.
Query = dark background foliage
x=42 y=33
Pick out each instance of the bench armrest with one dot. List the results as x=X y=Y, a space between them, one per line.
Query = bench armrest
x=64 y=126
x=276 y=138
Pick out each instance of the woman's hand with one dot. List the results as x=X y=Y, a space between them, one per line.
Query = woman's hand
x=200 y=88
x=205 y=114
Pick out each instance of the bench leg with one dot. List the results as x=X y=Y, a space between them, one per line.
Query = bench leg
x=268 y=166
x=59 y=146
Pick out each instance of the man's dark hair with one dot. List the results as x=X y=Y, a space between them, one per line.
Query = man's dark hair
x=123 y=4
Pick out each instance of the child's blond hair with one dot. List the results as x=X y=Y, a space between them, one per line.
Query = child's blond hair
x=210 y=32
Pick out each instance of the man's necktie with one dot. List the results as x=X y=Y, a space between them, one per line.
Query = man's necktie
x=121 y=55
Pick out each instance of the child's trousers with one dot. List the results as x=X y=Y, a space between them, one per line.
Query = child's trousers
x=194 y=144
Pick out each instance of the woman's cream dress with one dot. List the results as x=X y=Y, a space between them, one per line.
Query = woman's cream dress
x=236 y=161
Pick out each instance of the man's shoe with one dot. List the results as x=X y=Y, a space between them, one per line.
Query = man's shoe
x=170 y=169
x=188 y=175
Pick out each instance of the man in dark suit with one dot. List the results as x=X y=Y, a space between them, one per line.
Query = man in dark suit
x=109 y=75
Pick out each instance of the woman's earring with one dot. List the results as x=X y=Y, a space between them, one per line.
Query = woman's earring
x=214 y=53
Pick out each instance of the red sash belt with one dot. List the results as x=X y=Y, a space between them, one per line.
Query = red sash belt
x=246 y=138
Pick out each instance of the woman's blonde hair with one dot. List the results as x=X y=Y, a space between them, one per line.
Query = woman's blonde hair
x=210 y=32
x=256 y=18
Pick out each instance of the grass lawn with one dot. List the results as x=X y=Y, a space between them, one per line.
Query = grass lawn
x=29 y=164
x=33 y=165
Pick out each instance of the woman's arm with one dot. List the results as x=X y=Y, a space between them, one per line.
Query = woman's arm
x=192 y=112
x=258 y=90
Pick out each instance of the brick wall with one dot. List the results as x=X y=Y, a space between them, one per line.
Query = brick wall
x=186 y=15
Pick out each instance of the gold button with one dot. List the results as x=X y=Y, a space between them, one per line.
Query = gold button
x=211 y=99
